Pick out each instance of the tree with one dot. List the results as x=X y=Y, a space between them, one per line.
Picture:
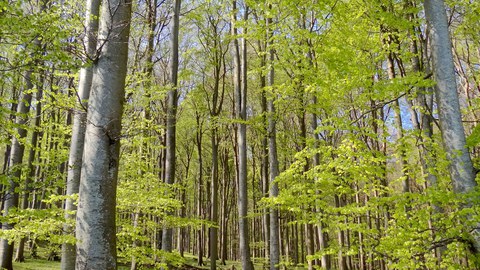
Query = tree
x=95 y=228
x=240 y=77
x=272 y=154
x=78 y=130
x=360 y=71
x=172 y=103
x=453 y=134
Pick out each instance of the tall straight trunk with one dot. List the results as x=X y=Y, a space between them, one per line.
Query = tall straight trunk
x=308 y=228
x=172 y=99
x=453 y=134
x=225 y=206
x=213 y=239
x=322 y=239
x=273 y=160
x=135 y=218
x=264 y=153
x=358 y=221
x=19 y=257
x=95 y=228
x=14 y=168
x=78 y=130
x=342 y=260
x=240 y=76
x=198 y=139
x=182 y=232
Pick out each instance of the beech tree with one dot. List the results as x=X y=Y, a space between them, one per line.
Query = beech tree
x=240 y=77
x=95 y=228
x=451 y=126
x=172 y=100
x=272 y=153
x=375 y=181
x=79 y=125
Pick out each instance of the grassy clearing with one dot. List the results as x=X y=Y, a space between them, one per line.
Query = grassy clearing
x=39 y=264
x=36 y=264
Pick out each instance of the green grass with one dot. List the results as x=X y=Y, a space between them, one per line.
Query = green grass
x=36 y=264
x=39 y=264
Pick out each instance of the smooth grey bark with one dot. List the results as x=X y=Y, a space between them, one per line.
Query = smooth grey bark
x=273 y=161
x=453 y=134
x=240 y=77
x=17 y=151
x=172 y=99
x=78 y=130
x=95 y=228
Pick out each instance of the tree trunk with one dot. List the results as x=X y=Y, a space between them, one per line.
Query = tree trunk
x=322 y=239
x=78 y=130
x=264 y=155
x=273 y=163
x=213 y=239
x=198 y=139
x=453 y=134
x=172 y=117
x=240 y=76
x=95 y=228
x=342 y=262
x=225 y=206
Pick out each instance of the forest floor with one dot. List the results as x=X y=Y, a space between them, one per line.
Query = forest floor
x=42 y=264
x=191 y=264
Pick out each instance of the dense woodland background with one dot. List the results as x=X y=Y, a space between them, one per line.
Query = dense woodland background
x=287 y=133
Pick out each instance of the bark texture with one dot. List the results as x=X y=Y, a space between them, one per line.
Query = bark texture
x=273 y=165
x=78 y=129
x=240 y=107
x=453 y=134
x=172 y=98
x=95 y=229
